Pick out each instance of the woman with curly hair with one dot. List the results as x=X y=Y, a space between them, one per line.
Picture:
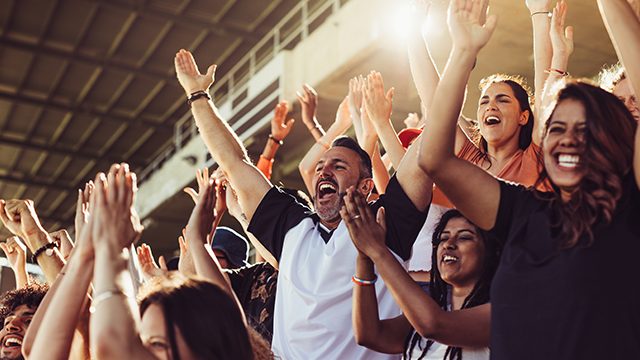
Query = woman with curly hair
x=466 y=259
x=551 y=295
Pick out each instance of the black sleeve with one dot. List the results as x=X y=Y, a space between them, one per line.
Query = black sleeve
x=404 y=220
x=238 y=279
x=277 y=213
x=512 y=198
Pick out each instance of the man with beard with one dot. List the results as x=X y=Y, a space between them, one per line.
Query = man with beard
x=17 y=309
x=312 y=318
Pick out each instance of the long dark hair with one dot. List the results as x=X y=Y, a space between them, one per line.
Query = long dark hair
x=206 y=316
x=608 y=157
x=524 y=96
x=439 y=289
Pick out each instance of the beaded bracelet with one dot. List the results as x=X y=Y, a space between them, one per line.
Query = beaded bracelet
x=47 y=247
x=557 y=72
x=197 y=95
x=541 y=12
x=364 y=282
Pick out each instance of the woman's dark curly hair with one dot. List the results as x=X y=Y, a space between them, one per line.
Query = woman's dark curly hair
x=439 y=289
x=525 y=98
x=607 y=158
x=30 y=295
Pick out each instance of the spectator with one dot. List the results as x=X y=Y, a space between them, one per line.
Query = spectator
x=17 y=309
x=313 y=250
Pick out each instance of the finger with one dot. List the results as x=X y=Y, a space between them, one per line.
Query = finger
x=192 y=193
x=390 y=94
x=205 y=174
x=350 y=203
x=568 y=33
x=211 y=72
x=3 y=213
x=381 y=218
x=362 y=208
x=300 y=97
x=7 y=250
x=163 y=263
x=290 y=123
x=182 y=244
x=110 y=186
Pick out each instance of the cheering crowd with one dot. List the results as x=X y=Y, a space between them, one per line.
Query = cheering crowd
x=514 y=235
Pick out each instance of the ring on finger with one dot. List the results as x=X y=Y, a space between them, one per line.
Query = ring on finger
x=355 y=217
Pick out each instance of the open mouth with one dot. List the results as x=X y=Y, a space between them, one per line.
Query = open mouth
x=326 y=189
x=10 y=342
x=449 y=259
x=492 y=120
x=568 y=161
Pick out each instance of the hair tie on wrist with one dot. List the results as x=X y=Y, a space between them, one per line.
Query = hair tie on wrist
x=197 y=95
x=364 y=282
x=280 y=142
x=323 y=143
x=557 y=72
x=541 y=12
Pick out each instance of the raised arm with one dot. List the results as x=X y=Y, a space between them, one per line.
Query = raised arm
x=114 y=227
x=562 y=42
x=469 y=327
x=63 y=316
x=474 y=192
x=200 y=225
x=19 y=217
x=16 y=253
x=309 y=103
x=235 y=210
x=539 y=11
x=366 y=133
x=280 y=128
x=623 y=26
x=222 y=142
x=423 y=69
x=308 y=163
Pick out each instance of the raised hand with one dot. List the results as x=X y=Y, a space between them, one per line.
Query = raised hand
x=412 y=121
x=561 y=38
x=201 y=178
x=64 y=240
x=466 y=30
x=188 y=74
x=366 y=230
x=19 y=216
x=203 y=214
x=16 y=253
x=148 y=264
x=309 y=103
x=355 y=95
x=343 y=115
x=82 y=207
x=378 y=104
x=114 y=222
x=418 y=16
x=280 y=127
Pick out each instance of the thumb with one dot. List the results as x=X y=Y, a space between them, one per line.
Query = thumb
x=211 y=71
x=290 y=122
x=381 y=219
x=163 y=263
x=491 y=23
x=568 y=33
x=192 y=193
x=390 y=94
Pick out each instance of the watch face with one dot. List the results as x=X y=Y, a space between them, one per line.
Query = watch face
x=49 y=252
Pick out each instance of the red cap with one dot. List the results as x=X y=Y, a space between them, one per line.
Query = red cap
x=407 y=135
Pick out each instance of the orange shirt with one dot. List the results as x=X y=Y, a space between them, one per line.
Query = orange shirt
x=265 y=166
x=522 y=168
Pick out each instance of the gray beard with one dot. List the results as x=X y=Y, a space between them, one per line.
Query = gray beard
x=328 y=214
x=20 y=357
